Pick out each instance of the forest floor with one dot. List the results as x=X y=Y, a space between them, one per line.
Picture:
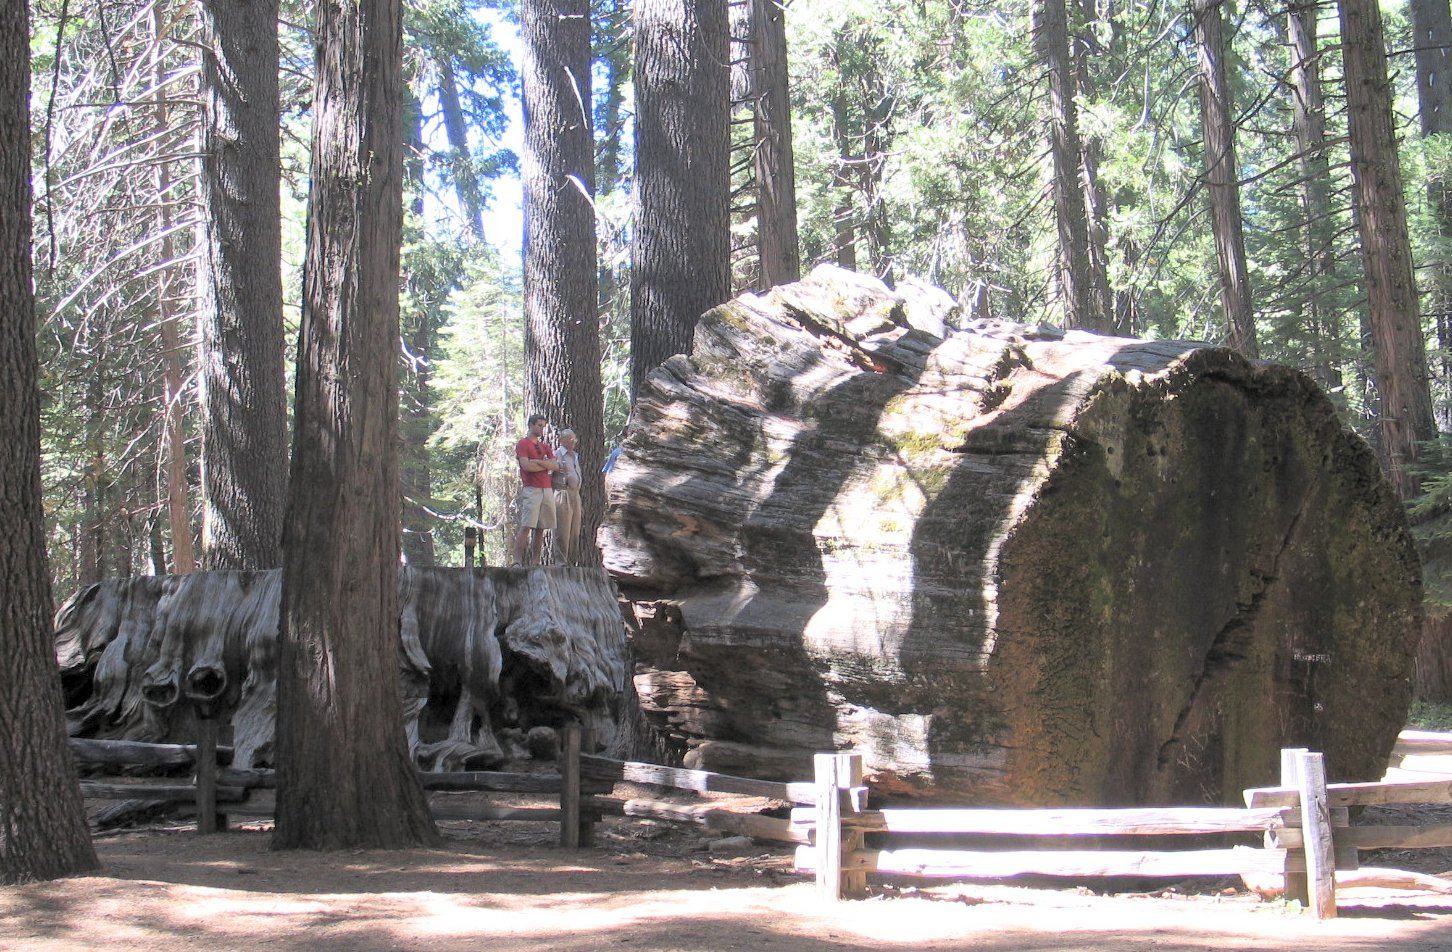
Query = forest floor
x=647 y=886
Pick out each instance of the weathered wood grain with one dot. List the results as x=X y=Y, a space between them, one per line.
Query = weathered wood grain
x=1011 y=564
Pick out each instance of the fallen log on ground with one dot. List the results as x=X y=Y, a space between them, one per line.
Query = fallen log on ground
x=1011 y=565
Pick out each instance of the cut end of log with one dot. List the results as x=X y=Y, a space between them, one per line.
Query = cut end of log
x=1007 y=563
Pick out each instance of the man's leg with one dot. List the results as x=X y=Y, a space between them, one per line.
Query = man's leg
x=536 y=545
x=572 y=539
x=528 y=520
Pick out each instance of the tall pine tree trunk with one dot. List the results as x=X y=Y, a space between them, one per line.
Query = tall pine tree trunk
x=43 y=831
x=416 y=417
x=1322 y=322
x=1080 y=305
x=776 y=186
x=244 y=420
x=1084 y=50
x=1381 y=216
x=1222 y=177
x=466 y=180
x=344 y=775
x=561 y=290
x=681 y=252
x=178 y=498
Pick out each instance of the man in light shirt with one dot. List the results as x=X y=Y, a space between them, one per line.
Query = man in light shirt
x=567 y=500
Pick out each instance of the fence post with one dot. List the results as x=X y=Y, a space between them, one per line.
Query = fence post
x=1293 y=884
x=570 y=787
x=586 y=821
x=839 y=782
x=206 y=770
x=470 y=534
x=1316 y=831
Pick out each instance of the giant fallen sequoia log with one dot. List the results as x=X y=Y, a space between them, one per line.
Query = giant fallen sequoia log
x=484 y=656
x=1009 y=564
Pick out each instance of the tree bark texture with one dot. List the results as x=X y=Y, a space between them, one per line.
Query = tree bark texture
x=1081 y=307
x=1432 y=33
x=1432 y=47
x=484 y=655
x=776 y=186
x=344 y=775
x=1008 y=563
x=681 y=248
x=43 y=831
x=1093 y=22
x=1322 y=323
x=1391 y=291
x=178 y=495
x=1222 y=177
x=244 y=418
x=561 y=280
x=420 y=323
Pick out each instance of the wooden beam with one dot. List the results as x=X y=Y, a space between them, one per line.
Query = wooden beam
x=1316 y=828
x=970 y=864
x=701 y=781
x=88 y=750
x=1066 y=822
x=570 y=787
x=154 y=791
x=1372 y=793
x=711 y=817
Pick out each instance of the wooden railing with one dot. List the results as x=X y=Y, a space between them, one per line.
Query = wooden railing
x=1303 y=822
x=217 y=791
x=582 y=786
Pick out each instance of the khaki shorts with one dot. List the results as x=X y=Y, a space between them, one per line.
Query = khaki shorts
x=536 y=508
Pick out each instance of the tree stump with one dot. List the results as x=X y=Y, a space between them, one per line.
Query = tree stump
x=1007 y=563
x=485 y=654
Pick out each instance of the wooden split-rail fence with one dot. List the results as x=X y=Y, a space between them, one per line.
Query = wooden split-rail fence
x=583 y=787
x=1302 y=824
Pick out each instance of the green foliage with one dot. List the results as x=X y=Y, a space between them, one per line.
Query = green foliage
x=1430 y=716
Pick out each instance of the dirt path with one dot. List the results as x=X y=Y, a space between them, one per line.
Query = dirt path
x=643 y=888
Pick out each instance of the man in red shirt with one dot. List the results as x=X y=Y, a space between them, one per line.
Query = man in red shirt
x=536 y=499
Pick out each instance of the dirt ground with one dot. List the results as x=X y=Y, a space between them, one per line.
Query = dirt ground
x=642 y=886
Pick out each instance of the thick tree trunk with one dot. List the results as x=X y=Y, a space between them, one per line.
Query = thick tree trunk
x=1007 y=563
x=681 y=252
x=344 y=775
x=42 y=825
x=561 y=290
x=776 y=186
x=1222 y=177
x=244 y=413
x=1386 y=251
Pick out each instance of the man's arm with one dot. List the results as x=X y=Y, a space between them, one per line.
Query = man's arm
x=529 y=464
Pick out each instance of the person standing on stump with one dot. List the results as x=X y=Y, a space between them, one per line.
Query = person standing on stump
x=567 y=499
x=536 y=498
